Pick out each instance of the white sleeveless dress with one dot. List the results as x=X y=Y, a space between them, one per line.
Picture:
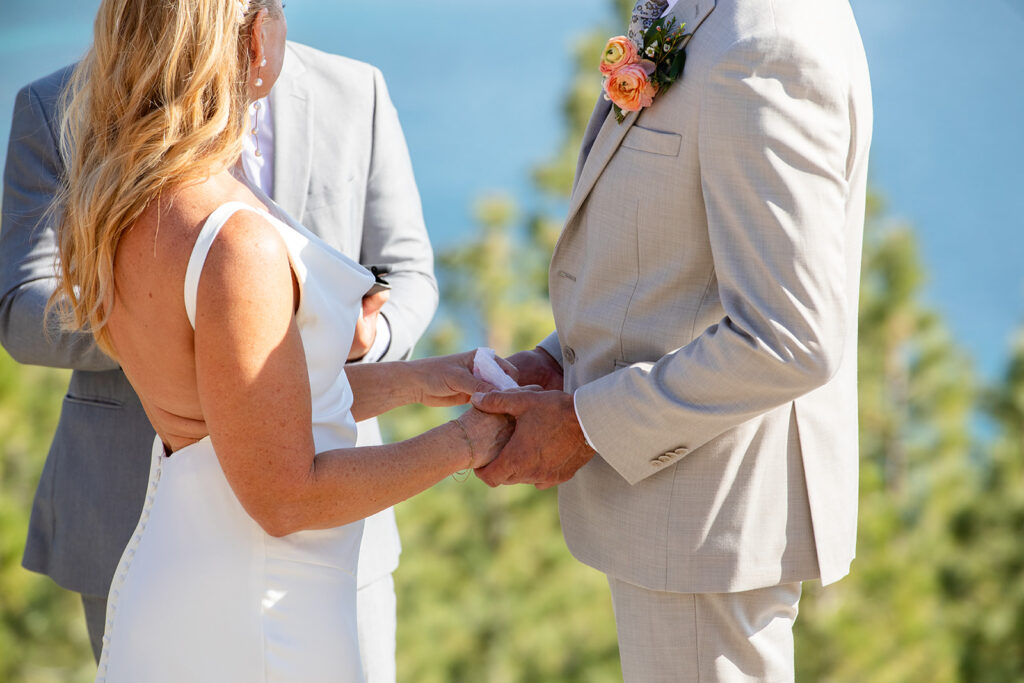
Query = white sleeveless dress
x=202 y=593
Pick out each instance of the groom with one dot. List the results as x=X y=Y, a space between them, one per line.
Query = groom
x=701 y=403
x=333 y=155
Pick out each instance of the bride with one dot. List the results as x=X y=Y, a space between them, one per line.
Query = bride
x=232 y=323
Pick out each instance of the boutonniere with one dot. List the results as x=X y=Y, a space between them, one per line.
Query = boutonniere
x=635 y=74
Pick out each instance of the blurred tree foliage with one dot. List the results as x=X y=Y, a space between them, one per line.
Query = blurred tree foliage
x=983 y=578
x=887 y=621
x=42 y=633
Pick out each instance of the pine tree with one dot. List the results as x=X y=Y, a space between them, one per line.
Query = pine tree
x=984 y=577
x=487 y=590
x=887 y=621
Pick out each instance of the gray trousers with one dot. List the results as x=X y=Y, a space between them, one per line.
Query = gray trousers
x=95 y=621
x=705 y=637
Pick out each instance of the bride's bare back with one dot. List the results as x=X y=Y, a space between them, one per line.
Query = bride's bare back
x=148 y=323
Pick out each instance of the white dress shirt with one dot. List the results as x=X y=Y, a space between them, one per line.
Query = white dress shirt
x=260 y=170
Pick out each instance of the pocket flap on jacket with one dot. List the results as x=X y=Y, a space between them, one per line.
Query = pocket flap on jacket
x=653 y=141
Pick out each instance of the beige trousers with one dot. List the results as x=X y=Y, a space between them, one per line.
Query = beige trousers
x=705 y=637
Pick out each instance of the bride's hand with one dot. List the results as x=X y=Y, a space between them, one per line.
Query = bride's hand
x=449 y=381
x=486 y=435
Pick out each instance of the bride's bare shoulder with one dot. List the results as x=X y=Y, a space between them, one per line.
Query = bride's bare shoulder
x=248 y=251
x=166 y=231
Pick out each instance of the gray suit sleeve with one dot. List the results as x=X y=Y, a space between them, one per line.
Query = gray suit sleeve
x=28 y=245
x=394 y=232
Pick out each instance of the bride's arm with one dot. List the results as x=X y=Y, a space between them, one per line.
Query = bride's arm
x=254 y=392
x=345 y=485
x=439 y=382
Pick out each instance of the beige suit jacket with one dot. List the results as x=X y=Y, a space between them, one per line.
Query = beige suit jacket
x=705 y=297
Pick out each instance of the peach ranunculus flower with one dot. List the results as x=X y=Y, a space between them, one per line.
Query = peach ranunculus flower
x=630 y=86
x=619 y=52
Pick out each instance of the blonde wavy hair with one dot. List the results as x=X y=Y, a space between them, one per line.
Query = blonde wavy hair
x=160 y=100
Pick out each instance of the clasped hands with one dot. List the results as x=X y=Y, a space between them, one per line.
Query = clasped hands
x=540 y=440
x=523 y=436
x=529 y=435
x=547 y=446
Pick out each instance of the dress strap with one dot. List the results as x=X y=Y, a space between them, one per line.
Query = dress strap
x=201 y=250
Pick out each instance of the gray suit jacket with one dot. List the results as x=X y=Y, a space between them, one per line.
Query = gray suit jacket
x=357 y=192
x=705 y=293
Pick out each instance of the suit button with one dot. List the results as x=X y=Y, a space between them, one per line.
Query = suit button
x=657 y=462
x=569 y=354
x=665 y=458
x=681 y=451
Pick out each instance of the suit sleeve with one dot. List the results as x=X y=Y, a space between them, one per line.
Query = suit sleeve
x=28 y=244
x=394 y=232
x=774 y=139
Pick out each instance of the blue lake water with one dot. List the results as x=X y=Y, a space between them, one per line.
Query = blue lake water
x=478 y=87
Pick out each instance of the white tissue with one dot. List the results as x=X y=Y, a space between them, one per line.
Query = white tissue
x=486 y=367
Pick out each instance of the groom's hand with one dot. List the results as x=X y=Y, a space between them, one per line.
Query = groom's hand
x=548 y=445
x=538 y=367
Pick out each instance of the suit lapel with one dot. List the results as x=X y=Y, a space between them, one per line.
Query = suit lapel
x=597 y=118
x=291 y=102
x=609 y=133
